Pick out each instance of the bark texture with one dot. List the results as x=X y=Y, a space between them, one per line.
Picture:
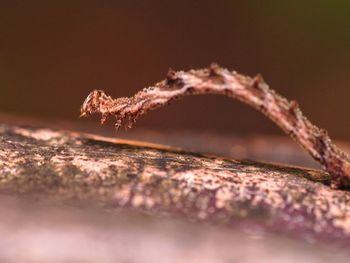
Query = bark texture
x=68 y=167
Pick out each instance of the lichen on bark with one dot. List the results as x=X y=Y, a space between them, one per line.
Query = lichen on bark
x=69 y=167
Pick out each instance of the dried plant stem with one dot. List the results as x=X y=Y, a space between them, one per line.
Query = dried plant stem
x=252 y=91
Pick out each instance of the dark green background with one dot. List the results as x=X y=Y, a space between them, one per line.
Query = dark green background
x=52 y=53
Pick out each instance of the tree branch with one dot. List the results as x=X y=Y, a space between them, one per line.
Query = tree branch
x=77 y=169
x=252 y=91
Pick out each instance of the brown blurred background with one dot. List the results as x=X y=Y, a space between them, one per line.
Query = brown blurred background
x=53 y=53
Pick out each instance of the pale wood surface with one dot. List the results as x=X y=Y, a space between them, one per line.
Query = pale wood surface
x=226 y=200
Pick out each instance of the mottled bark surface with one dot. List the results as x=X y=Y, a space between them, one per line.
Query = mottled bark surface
x=80 y=170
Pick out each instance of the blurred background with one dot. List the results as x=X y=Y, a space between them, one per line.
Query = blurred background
x=53 y=53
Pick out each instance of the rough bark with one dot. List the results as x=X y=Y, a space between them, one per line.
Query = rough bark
x=67 y=167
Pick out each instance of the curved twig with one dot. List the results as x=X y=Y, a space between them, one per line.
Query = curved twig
x=252 y=91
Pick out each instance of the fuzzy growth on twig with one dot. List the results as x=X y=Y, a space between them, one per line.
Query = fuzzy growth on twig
x=252 y=91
